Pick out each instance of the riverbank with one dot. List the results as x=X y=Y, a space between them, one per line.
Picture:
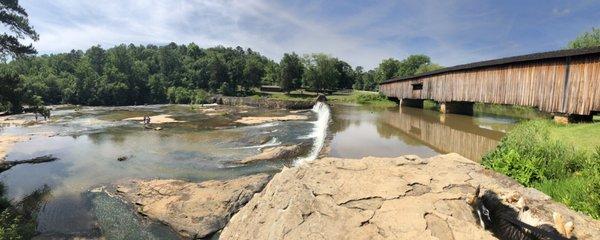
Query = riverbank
x=562 y=161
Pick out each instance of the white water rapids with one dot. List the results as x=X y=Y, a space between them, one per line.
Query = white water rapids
x=318 y=133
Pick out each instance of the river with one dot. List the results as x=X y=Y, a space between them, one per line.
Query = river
x=205 y=146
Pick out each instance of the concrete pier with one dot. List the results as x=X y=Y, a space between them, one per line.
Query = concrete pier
x=465 y=108
x=572 y=118
x=416 y=103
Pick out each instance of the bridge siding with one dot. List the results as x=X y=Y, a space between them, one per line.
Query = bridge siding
x=538 y=84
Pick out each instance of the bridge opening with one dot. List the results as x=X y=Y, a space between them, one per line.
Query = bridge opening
x=417 y=86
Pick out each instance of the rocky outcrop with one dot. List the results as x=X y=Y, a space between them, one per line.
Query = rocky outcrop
x=263 y=102
x=278 y=153
x=8 y=141
x=384 y=198
x=194 y=210
x=156 y=119
x=5 y=165
x=259 y=120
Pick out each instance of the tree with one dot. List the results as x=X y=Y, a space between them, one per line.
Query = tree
x=409 y=66
x=10 y=89
x=273 y=74
x=346 y=78
x=428 y=68
x=387 y=69
x=291 y=72
x=252 y=74
x=369 y=80
x=97 y=58
x=321 y=72
x=586 y=40
x=15 y=18
x=358 y=82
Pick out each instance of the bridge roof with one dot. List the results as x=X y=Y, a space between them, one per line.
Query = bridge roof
x=508 y=60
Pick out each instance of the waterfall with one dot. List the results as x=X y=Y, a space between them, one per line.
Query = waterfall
x=319 y=132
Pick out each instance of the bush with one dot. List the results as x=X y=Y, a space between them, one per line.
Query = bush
x=366 y=98
x=532 y=157
x=181 y=95
x=200 y=96
x=14 y=224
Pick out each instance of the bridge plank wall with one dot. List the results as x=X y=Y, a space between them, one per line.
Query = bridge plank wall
x=538 y=84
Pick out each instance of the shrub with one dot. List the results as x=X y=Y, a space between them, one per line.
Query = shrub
x=200 y=96
x=531 y=156
x=365 y=98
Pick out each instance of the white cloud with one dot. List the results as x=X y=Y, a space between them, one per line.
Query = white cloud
x=374 y=32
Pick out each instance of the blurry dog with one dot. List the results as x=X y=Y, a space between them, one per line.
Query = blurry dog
x=506 y=223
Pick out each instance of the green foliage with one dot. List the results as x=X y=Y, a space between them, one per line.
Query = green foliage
x=390 y=68
x=15 y=19
x=586 y=40
x=181 y=95
x=291 y=70
x=410 y=65
x=429 y=67
x=15 y=222
x=387 y=69
x=364 y=98
x=10 y=89
x=130 y=74
x=530 y=155
x=321 y=72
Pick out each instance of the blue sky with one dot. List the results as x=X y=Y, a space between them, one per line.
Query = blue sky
x=360 y=32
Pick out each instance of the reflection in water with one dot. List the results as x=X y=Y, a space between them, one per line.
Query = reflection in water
x=360 y=132
x=452 y=133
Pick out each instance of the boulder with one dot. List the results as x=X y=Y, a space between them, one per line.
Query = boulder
x=194 y=210
x=384 y=198
x=278 y=153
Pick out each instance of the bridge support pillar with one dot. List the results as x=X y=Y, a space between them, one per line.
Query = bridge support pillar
x=394 y=99
x=572 y=118
x=416 y=103
x=465 y=108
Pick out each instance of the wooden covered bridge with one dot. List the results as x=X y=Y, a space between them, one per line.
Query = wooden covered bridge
x=565 y=83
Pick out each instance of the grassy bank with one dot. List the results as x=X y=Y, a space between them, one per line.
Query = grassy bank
x=350 y=97
x=561 y=161
x=515 y=111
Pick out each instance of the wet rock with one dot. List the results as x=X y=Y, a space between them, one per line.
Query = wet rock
x=278 y=153
x=5 y=165
x=259 y=120
x=383 y=198
x=8 y=141
x=122 y=158
x=194 y=210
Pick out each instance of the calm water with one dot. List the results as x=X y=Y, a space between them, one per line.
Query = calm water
x=359 y=132
x=204 y=147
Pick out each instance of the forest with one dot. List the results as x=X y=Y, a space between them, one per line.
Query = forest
x=137 y=74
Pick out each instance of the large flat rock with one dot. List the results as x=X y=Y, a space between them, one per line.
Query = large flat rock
x=194 y=210
x=384 y=198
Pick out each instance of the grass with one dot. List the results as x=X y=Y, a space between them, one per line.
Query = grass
x=583 y=136
x=523 y=112
x=535 y=154
x=349 y=97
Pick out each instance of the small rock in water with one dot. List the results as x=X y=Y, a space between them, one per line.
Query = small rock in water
x=122 y=189
x=122 y=158
x=158 y=128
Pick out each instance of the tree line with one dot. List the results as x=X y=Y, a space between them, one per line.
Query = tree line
x=137 y=74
